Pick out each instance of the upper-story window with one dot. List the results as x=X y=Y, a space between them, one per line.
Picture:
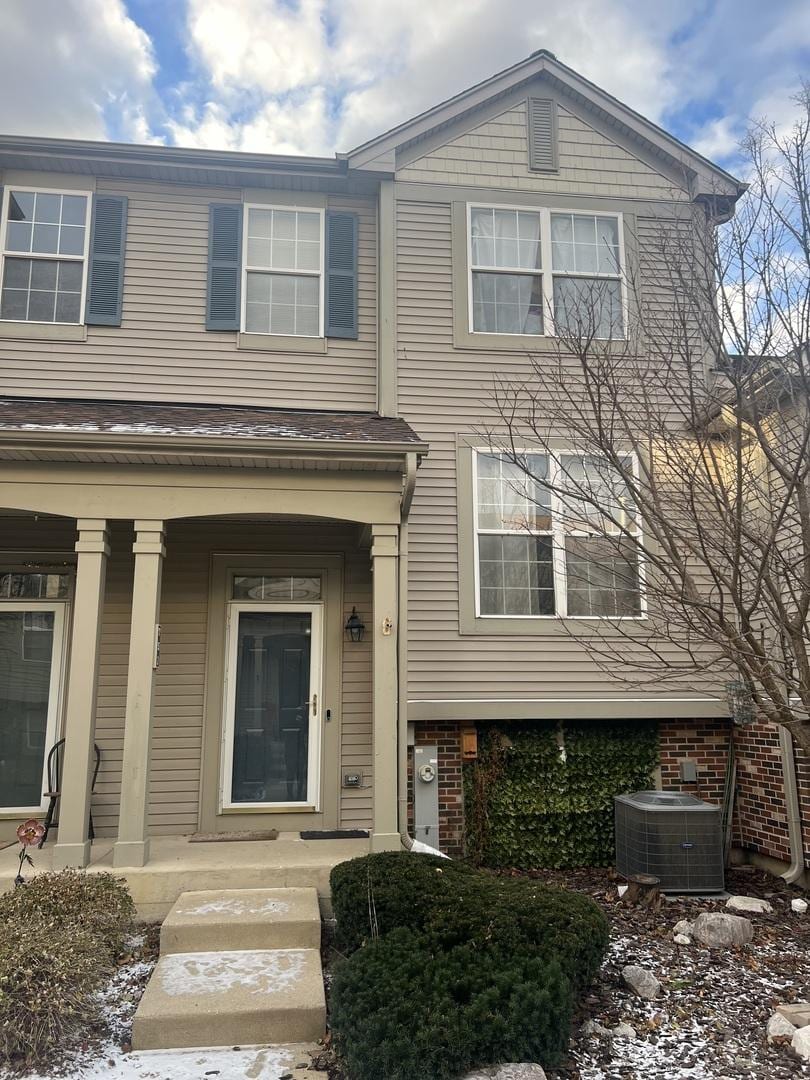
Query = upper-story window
x=543 y=554
x=44 y=237
x=540 y=272
x=283 y=271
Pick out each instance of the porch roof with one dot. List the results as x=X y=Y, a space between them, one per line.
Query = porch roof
x=52 y=428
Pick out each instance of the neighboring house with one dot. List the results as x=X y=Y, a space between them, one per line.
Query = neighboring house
x=242 y=399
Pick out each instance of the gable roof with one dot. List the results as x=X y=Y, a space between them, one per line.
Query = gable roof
x=706 y=178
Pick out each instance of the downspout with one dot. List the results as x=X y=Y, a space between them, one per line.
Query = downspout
x=794 y=818
x=408 y=486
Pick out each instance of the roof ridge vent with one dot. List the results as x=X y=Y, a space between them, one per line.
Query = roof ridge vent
x=543 y=52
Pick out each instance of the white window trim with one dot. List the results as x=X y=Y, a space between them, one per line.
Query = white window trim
x=83 y=258
x=58 y=607
x=320 y=273
x=235 y=607
x=558 y=533
x=545 y=271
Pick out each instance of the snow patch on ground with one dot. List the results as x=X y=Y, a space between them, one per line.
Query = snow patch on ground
x=235 y=906
x=265 y=1063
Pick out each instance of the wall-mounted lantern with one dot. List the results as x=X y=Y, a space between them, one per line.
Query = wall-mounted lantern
x=355 y=627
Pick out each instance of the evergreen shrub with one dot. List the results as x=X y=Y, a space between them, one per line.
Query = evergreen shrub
x=407 y=1008
x=451 y=968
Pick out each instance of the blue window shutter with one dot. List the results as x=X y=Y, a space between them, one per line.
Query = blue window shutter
x=341 y=274
x=105 y=273
x=222 y=308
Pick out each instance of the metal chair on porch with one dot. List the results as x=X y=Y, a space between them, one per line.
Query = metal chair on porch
x=55 y=763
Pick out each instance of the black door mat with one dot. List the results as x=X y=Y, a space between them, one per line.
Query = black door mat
x=335 y=834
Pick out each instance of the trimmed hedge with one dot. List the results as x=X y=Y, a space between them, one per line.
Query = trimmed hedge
x=406 y=1008
x=451 y=968
x=59 y=936
x=455 y=903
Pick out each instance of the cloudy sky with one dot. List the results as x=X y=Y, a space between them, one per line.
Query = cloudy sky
x=315 y=76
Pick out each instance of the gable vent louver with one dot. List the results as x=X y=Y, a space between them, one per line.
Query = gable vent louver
x=542 y=124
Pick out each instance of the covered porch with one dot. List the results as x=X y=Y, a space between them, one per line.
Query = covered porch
x=177 y=866
x=211 y=549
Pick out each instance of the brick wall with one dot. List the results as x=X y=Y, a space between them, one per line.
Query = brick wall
x=703 y=742
x=760 y=819
x=447 y=738
x=760 y=822
x=761 y=812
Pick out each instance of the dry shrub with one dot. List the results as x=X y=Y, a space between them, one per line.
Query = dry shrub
x=59 y=936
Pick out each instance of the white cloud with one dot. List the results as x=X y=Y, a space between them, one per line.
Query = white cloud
x=296 y=126
x=66 y=64
x=375 y=64
x=268 y=45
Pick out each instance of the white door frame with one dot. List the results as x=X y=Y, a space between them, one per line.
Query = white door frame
x=54 y=691
x=315 y=708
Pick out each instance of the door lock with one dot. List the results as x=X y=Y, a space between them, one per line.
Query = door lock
x=314 y=704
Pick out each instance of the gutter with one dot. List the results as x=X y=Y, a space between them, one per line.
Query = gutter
x=135 y=442
x=794 y=819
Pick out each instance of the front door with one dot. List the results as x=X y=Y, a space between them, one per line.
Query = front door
x=272 y=722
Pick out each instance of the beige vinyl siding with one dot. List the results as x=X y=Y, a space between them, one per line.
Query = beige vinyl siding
x=444 y=392
x=495 y=155
x=162 y=350
x=177 y=739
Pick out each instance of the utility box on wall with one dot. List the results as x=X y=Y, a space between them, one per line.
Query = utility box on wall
x=426 y=794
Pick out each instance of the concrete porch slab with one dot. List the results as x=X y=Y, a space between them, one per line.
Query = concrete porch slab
x=232 y=999
x=242 y=919
x=175 y=866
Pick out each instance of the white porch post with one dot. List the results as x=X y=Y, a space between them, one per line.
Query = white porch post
x=384 y=558
x=73 y=846
x=132 y=845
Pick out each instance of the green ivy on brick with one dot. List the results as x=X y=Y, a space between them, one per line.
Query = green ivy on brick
x=541 y=795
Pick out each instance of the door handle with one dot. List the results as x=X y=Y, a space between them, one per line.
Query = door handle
x=314 y=704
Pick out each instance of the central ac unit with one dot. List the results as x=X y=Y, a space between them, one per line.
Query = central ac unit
x=674 y=837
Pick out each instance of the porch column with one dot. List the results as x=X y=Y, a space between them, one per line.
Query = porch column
x=132 y=846
x=73 y=846
x=384 y=558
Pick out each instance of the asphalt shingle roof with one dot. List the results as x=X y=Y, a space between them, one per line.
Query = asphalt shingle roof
x=215 y=421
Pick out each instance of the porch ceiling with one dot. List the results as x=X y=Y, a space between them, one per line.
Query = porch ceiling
x=210 y=436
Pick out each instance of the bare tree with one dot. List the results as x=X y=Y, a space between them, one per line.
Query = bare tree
x=671 y=434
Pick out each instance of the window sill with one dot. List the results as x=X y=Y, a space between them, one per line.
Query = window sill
x=545 y=626
x=44 y=331
x=260 y=808
x=279 y=343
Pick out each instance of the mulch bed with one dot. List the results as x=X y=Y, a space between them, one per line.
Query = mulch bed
x=709 y=1023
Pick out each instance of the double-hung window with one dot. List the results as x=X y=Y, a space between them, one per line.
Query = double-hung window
x=283 y=271
x=44 y=236
x=540 y=272
x=553 y=537
x=32 y=623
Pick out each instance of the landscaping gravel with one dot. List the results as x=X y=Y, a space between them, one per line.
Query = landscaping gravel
x=710 y=1020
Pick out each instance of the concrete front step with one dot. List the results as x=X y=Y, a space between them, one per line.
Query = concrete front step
x=242 y=919
x=232 y=998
